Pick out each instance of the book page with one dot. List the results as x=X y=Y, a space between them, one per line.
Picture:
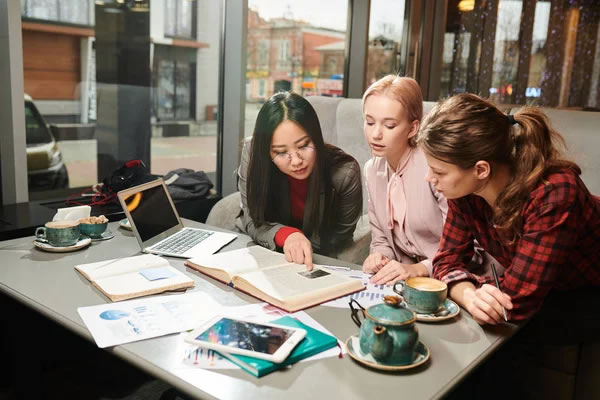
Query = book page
x=134 y=282
x=119 y=266
x=236 y=262
x=293 y=281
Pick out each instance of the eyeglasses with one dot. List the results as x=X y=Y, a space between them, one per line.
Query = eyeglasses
x=303 y=153
x=354 y=312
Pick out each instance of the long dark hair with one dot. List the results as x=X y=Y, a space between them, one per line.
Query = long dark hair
x=465 y=128
x=265 y=180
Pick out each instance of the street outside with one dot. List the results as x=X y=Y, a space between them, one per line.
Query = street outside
x=198 y=153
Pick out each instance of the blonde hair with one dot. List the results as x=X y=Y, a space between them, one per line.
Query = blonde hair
x=404 y=90
x=465 y=128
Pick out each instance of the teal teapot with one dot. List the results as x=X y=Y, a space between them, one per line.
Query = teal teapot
x=388 y=332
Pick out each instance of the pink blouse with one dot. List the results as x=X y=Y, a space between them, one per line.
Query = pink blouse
x=405 y=212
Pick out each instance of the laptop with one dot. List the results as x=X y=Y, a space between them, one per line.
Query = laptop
x=158 y=228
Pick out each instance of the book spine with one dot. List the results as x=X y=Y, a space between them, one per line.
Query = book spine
x=242 y=365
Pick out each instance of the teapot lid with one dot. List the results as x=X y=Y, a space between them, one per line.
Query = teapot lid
x=392 y=312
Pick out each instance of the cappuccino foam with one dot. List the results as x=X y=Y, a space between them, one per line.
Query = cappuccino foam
x=427 y=284
x=61 y=224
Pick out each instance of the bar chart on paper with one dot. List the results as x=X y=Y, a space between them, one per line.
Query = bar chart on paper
x=373 y=294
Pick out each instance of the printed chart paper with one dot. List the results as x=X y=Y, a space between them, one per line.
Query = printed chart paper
x=133 y=320
x=373 y=294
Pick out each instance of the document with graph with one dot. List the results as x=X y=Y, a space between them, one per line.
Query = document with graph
x=373 y=294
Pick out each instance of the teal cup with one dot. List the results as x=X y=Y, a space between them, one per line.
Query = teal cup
x=422 y=295
x=59 y=233
x=94 y=231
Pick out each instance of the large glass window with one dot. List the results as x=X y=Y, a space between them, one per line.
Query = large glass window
x=386 y=22
x=179 y=21
x=124 y=88
x=71 y=11
x=297 y=46
x=523 y=51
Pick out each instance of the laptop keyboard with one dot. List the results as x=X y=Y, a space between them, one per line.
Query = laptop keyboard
x=182 y=241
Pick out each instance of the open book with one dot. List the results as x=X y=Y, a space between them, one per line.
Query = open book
x=266 y=275
x=125 y=278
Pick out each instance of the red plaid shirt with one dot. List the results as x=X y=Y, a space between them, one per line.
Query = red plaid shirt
x=558 y=249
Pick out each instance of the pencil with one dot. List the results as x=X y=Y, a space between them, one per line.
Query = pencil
x=498 y=286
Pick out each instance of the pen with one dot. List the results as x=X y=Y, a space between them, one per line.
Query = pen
x=498 y=286
x=337 y=268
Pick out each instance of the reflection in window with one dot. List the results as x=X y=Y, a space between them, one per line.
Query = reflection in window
x=537 y=64
x=385 y=35
x=523 y=51
x=506 y=51
x=296 y=46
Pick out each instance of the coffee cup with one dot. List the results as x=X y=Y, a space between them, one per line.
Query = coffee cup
x=93 y=230
x=421 y=294
x=59 y=233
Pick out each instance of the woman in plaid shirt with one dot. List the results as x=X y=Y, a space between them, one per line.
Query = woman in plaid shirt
x=509 y=188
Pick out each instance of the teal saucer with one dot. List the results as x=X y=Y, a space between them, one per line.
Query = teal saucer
x=446 y=311
x=81 y=243
x=106 y=235
x=353 y=346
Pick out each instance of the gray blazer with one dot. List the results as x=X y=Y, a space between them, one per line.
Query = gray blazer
x=347 y=206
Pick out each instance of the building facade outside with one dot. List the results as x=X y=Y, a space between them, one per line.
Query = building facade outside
x=290 y=54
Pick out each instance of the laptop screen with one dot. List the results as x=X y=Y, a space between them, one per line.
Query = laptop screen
x=151 y=212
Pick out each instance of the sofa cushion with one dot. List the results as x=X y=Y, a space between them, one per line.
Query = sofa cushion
x=580 y=130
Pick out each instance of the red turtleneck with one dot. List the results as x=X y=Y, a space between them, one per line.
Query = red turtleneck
x=298 y=191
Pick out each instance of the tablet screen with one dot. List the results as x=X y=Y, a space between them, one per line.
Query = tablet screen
x=246 y=335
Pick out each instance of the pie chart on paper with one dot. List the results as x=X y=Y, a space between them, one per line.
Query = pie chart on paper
x=113 y=314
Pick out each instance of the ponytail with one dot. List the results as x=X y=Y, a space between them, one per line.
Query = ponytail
x=465 y=128
x=535 y=153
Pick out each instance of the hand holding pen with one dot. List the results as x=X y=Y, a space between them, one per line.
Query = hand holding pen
x=498 y=286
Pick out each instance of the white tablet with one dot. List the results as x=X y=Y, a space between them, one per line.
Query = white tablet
x=262 y=340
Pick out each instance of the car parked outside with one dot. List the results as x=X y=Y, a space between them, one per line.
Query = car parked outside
x=45 y=167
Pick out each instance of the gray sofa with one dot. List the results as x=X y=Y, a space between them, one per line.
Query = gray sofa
x=342 y=125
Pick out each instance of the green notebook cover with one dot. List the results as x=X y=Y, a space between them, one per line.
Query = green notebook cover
x=313 y=343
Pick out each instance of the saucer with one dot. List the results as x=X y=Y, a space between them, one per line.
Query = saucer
x=446 y=311
x=106 y=235
x=124 y=223
x=353 y=347
x=81 y=243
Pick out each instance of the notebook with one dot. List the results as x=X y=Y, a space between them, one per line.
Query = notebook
x=314 y=343
x=158 y=228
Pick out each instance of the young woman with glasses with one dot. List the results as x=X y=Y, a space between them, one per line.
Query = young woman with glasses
x=298 y=193
x=406 y=213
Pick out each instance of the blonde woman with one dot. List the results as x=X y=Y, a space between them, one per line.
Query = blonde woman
x=405 y=212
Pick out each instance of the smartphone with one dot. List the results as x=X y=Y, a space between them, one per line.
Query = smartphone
x=262 y=340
